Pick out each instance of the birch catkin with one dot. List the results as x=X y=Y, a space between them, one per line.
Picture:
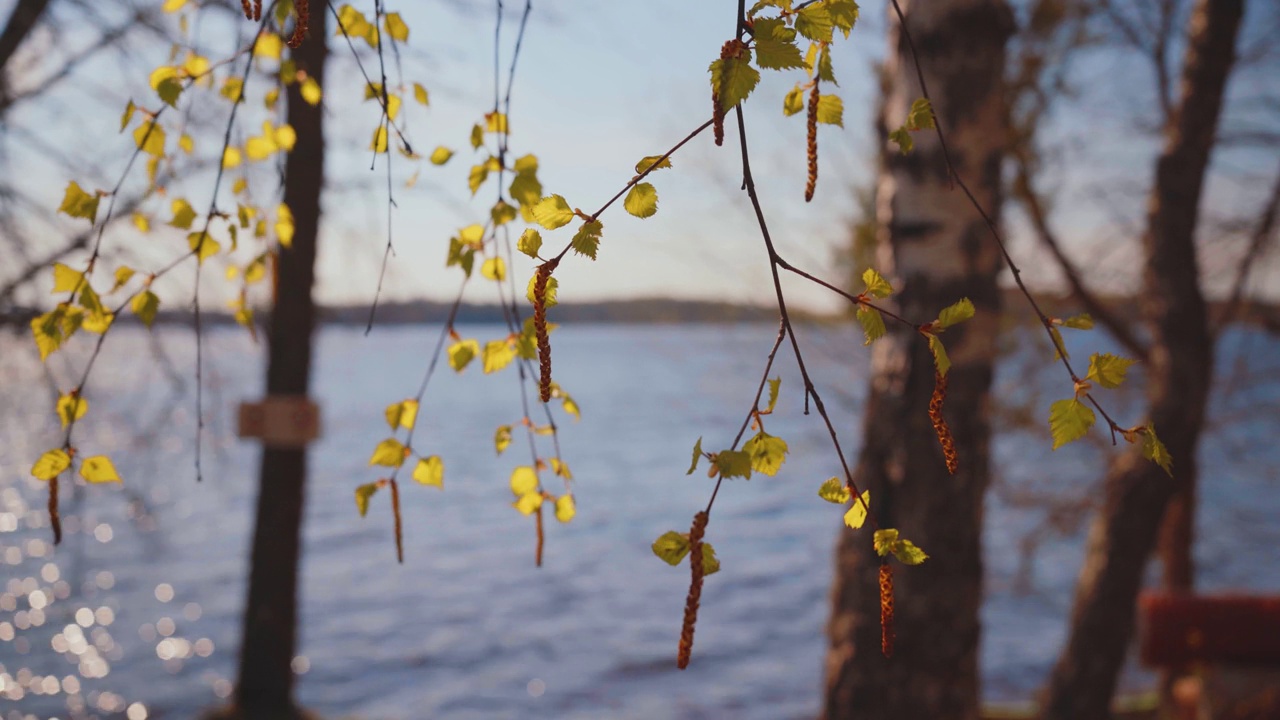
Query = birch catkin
x=726 y=51
x=540 y=327
x=886 y=609
x=813 y=142
x=300 y=25
x=695 y=590
x=940 y=423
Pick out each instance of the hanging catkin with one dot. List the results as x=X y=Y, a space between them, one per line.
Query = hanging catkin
x=300 y=24
x=940 y=423
x=886 y=608
x=540 y=327
x=695 y=590
x=813 y=142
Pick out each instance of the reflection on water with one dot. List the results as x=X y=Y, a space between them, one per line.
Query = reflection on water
x=136 y=614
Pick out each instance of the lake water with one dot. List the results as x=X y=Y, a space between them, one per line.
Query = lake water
x=139 y=608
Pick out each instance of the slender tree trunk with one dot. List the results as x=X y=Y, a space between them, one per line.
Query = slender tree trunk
x=265 y=688
x=936 y=250
x=1137 y=491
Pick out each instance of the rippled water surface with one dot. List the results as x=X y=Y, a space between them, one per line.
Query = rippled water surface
x=136 y=614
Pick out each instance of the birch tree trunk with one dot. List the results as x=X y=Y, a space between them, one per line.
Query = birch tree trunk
x=1181 y=364
x=935 y=249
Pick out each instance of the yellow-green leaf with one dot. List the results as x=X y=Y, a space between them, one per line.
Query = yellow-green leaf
x=834 y=491
x=150 y=138
x=66 y=279
x=203 y=246
x=552 y=212
x=502 y=439
x=461 y=353
x=671 y=547
x=430 y=471
x=774 y=386
x=767 y=453
x=389 y=453
x=1083 y=321
x=1069 y=420
x=940 y=358
x=528 y=503
x=587 y=240
x=183 y=214
x=51 y=464
x=1155 y=451
x=495 y=268
x=128 y=115
x=98 y=469
x=78 y=203
x=733 y=79
x=402 y=414
x=920 y=116
x=420 y=94
x=363 y=493
x=887 y=541
x=905 y=142
x=697 y=456
x=379 y=142
x=145 y=305
x=642 y=200
x=648 y=162
x=523 y=481
x=831 y=110
x=1108 y=370
x=548 y=295
x=123 y=274
x=71 y=407
x=872 y=323
x=441 y=155
x=793 y=102
x=395 y=27
x=565 y=508
x=956 y=313
x=497 y=355
x=857 y=513
x=530 y=242
x=877 y=286
x=310 y=91
x=733 y=463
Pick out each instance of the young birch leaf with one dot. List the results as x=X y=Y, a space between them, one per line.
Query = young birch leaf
x=565 y=508
x=78 y=203
x=145 y=305
x=65 y=279
x=734 y=79
x=884 y=541
x=98 y=469
x=502 y=213
x=502 y=439
x=571 y=407
x=955 y=314
x=872 y=323
x=528 y=503
x=495 y=268
x=51 y=465
x=733 y=463
x=642 y=200
x=834 y=491
x=920 y=116
x=908 y=554
x=530 y=242
x=831 y=110
x=774 y=386
x=203 y=246
x=710 y=563
x=1083 y=321
x=396 y=27
x=389 y=453
x=441 y=155
x=776 y=54
x=856 y=516
x=793 y=102
x=648 y=162
x=671 y=547
x=402 y=414
x=430 y=471
x=903 y=140
x=71 y=407
x=477 y=136
x=420 y=94
x=877 y=286
x=128 y=115
x=697 y=456
x=150 y=138
x=311 y=91
x=1108 y=370
x=815 y=23
x=940 y=358
x=1069 y=420
x=587 y=240
x=523 y=481
x=767 y=453
x=183 y=214
x=123 y=274
x=363 y=493
x=462 y=353
x=1059 y=346
x=1155 y=451
x=497 y=355
x=552 y=212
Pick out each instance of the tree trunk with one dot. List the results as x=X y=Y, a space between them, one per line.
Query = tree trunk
x=265 y=688
x=935 y=249
x=1137 y=491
